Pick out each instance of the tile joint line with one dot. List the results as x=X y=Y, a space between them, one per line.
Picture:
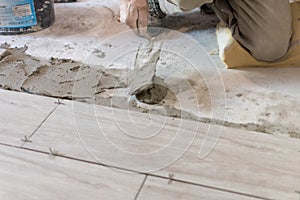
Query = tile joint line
x=141 y=187
x=137 y=172
x=44 y=120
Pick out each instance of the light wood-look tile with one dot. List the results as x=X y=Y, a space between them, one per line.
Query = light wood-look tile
x=21 y=114
x=156 y=188
x=29 y=175
x=246 y=162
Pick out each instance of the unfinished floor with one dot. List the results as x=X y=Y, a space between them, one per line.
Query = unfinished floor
x=54 y=149
x=236 y=136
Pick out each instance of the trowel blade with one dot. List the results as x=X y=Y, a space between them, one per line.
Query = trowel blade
x=142 y=80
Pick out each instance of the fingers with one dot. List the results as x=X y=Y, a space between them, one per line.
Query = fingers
x=124 y=10
x=135 y=14
x=132 y=19
x=138 y=20
x=143 y=22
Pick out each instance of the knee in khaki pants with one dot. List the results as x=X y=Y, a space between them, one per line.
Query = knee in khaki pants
x=264 y=28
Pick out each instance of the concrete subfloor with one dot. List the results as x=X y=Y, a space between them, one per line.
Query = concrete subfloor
x=87 y=54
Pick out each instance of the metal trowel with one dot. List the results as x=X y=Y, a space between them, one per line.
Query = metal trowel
x=143 y=81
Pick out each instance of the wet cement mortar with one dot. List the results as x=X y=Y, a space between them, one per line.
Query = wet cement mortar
x=68 y=79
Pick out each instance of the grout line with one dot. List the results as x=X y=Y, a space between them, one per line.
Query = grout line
x=142 y=173
x=215 y=188
x=141 y=187
x=39 y=126
x=10 y=145
x=210 y=187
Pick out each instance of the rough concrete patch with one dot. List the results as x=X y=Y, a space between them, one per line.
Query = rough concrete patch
x=86 y=19
x=15 y=67
x=80 y=20
x=72 y=80
x=191 y=91
x=61 y=78
x=278 y=114
x=283 y=117
x=58 y=78
x=187 y=98
x=64 y=78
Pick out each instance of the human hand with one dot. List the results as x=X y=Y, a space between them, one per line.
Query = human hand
x=135 y=14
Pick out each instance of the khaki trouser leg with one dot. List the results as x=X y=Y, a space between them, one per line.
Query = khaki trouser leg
x=263 y=27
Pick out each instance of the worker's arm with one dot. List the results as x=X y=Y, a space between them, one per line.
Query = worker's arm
x=135 y=14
